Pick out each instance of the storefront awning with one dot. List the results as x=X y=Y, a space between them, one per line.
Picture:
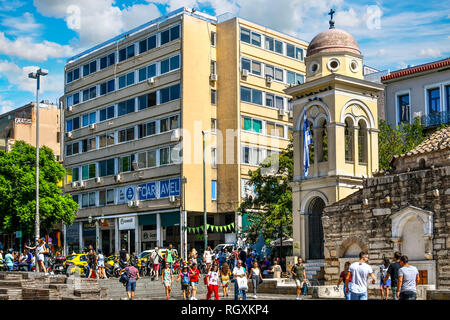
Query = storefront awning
x=148 y=220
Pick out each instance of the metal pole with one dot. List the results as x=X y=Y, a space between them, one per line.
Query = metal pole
x=37 y=222
x=281 y=239
x=205 y=231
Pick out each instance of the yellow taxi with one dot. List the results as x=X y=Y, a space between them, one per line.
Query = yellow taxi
x=111 y=259
x=76 y=264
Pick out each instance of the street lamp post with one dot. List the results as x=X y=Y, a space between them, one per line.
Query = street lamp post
x=205 y=231
x=37 y=75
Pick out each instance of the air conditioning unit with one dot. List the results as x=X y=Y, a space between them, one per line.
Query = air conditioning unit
x=151 y=81
x=172 y=199
x=291 y=114
x=92 y=126
x=133 y=203
x=281 y=112
x=136 y=203
x=176 y=135
x=269 y=79
x=74 y=185
x=69 y=135
x=130 y=204
x=244 y=73
x=81 y=184
x=118 y=178
x=70 y=109
x=213 y=77
x=98 y=180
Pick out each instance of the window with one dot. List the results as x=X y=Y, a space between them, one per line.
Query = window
x=76 y=123
x=170 y=64
x=273 y=129
x=173 y=122
x=126 y=134
x=88 y=172
x=257 y=96
x=72 y=149
x=434 y=100
x=142 y=74
x=269 y=71
x=125 y=164
x=403 y=108
x=75 y=174
x=213 y=96
x=170 y=93
x=269 y=100
x=142 y=160
x=126 y=53
x=151 y=158
x=245 y=35
x=103 y=88
x=111 y=58
x=107 y=87
x=76 y=98
x=106 y=140
x=246 y=94
x=299 y=78
x=213 y=38
x=269 y=43
x=213 y=124
x=290 y=50
x=73 y=75
x=106 y=167
x=279 y=102
x=348 y=139
x=256 y=39
x=213 y=157
x=299 y=53
x=147 y=129
x=151 y=70
x=126 y=80
x=126 y=107
x=88 y=144
x=279 y=74
x=250 y=124
x=106 y=197
x=256 y=68
x=164 y=156
x=151 y=99
x=252 y=156
x=278 y=47
x=246 y=64
x=106 y=113
x=322 y=141
x=85 y=70
x=151 y=42
x=142 y=46
x=130 y=51
x=170 y=34
x=213 y=67
x=362 y=142
x=103 y=62
x=290 y=77
x=213 y=190
x=88 y=119
x=164 y=125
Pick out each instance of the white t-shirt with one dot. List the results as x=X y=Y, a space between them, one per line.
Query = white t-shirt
x=360 y=271
x=238 y=271
x=155 y=257
x=213 y=278
x=207 y=255
x=409 y=274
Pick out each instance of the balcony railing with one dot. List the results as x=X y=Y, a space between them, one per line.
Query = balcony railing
x=436 y=119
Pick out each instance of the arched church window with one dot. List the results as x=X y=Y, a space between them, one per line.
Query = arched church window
x=362 y=142
x=349 y=139
x=322 y=141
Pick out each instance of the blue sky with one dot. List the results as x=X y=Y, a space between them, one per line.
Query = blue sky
x=44 y=33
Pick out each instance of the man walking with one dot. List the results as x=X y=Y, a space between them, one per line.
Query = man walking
x=359 y=272
x=393 y=273
x=299 y=274
x=408 y=277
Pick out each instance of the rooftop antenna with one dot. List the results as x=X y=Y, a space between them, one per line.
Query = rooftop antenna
x=331 y=22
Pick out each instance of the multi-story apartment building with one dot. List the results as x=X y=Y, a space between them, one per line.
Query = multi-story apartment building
x=20 y=124
x=135 y=109
x=419 y=91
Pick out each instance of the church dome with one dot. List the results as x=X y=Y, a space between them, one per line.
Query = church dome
x=333 y=40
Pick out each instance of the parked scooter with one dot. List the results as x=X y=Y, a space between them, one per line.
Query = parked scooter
x=58 y=264
x=3 y=266
x=112 y=270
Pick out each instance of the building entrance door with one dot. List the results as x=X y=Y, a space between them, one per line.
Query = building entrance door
x=315 y=229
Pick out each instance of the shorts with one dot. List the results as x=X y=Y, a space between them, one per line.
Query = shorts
x=156 y=266
x=131 y=285
x=101 y=265
x=194 y=283
x=40 y=257
x=225 y=283
x=387 y=284
x=184 y=287
x=299 y=283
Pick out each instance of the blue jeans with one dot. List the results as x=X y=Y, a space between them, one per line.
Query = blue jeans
x=358 y=296
x=131 y=285
x=10 y=267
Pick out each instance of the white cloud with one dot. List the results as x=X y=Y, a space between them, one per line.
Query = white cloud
x=430 y=53
x=22 y=25
x=10 y=5
x=18 y=77
x=6 y=105
x=27 y=48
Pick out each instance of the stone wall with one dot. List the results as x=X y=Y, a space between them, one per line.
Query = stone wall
x=371 y=218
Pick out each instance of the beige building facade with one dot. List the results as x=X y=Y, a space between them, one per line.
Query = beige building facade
x=135 y=109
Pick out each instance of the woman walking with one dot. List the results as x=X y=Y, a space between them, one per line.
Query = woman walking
x=384 y=286
x=167 y=279
x=213 y=282
x=40 y=250
x=256 y=276
x=344 y=274
x=92 y=261
x=194 y=275
x=225 y=274
x=101 y=265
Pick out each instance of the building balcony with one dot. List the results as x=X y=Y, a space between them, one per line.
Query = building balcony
x=435 y=119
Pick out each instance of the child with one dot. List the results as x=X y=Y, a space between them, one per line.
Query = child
x=225 y=274
x=213 y=282
x=167 y=279
x=194 y=275
x=185 y=282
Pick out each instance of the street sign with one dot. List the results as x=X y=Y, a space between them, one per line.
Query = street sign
x=18 y=234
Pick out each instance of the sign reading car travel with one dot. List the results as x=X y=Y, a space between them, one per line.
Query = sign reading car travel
x=127 y=223
x=149 y=191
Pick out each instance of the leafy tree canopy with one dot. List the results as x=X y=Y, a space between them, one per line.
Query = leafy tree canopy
x=269 y=209
x=18 y=190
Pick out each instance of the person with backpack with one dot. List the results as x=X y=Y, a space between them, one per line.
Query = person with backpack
x=185 y=282
x=384 y=285
x=167 y=279
x=194 y=275
x=132 y=274
x=157 y=259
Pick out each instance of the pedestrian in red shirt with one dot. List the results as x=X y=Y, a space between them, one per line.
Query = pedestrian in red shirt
x=213 y=283
x=194 y=275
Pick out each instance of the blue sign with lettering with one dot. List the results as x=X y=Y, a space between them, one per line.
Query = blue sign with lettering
x=174 y=186
x=130 y=193
x=152 y=191
x=155 y=190
x=164 y=189
x=142 y=192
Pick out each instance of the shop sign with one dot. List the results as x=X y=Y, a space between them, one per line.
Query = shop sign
x=148 y=235
x=22 y=120
x=149 y=191
x=126 y=223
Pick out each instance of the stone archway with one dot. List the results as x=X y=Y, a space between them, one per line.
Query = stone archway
x=348 y=245
x=315 y=229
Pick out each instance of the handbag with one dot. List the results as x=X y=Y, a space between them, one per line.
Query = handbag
x=242 y=283
x=124 y=278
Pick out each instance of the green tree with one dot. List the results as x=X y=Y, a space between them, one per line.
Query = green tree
x=269 y=210
x=398 y=140
x=18 y=190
